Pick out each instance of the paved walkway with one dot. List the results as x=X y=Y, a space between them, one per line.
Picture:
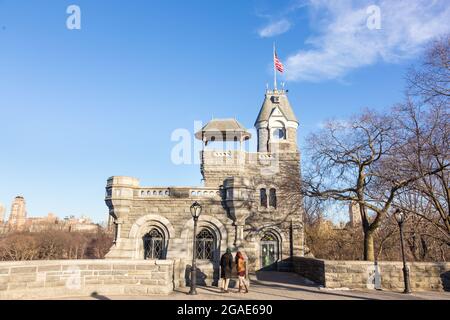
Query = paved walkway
x=282 y=286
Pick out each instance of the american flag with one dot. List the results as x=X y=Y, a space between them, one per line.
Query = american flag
x=278 y=65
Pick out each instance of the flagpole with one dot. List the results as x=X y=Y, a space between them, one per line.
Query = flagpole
x=274 y=69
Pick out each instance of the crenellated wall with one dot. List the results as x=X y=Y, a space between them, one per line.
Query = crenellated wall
x=75 y=278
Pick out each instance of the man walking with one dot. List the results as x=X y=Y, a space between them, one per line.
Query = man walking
x=226 y=267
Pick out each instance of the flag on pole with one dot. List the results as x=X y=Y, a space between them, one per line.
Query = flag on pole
x=278 y=65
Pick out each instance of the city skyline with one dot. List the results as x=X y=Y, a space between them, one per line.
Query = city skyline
x=79 y=106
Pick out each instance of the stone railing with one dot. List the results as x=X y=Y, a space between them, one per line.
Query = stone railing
x=427 y=276
x=75 y=278
x=204 y=192
x=153 y=192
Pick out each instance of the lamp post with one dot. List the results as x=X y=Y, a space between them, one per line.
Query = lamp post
x=196 y=210
x=400 y=217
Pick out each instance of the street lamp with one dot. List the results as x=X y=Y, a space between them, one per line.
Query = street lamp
x=196 y=210
x=400 y=217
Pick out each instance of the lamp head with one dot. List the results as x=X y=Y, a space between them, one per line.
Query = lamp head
x=196 y=210
x=399 y=216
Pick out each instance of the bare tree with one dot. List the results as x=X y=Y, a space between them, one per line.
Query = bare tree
x=427 y=130
x=356 y=160
x=431 y=80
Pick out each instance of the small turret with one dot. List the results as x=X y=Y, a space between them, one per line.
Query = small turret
x=276 y=124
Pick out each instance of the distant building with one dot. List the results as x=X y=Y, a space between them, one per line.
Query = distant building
x=2 y=214
x=2 y=219
x=18 y=221
x=17 y=218
x=82 y=224
x=354 y=214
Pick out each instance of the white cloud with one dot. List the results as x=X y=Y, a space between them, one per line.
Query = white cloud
x=275 y=28
x=343 y=41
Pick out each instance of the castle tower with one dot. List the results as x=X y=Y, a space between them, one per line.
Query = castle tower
x=276 y=124
x=218 y=164
x=18 y=216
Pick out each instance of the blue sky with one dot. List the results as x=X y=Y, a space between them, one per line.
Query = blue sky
x=78 y=106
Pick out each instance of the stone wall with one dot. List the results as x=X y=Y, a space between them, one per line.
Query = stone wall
x=363 y=274
x=71 y=278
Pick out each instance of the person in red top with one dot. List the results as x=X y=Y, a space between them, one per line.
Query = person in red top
x=241 y=267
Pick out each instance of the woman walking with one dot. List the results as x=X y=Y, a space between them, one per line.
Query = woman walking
x=241 y=266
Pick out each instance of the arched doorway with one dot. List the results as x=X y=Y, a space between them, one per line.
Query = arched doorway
x=269 y=251
x=154 y=245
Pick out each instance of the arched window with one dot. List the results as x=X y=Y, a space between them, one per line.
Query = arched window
x=154 y=244
x=273 y=198
x=279 y=134
x=205 y=245
x=263 y=197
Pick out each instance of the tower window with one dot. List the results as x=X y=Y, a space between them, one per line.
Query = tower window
x=273 y=198
x=276 y=99
x=279 y=134
x=263 y=197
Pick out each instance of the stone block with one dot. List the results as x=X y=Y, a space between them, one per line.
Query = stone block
x=147 y=277
x=49 y=268
x=123 y=267
x=159 y=275
x=74 y=267
x=16 y=286
x=151 y=282
x=93 y=281
x=22 y=277
x=36 y=284
x=58 y=283
x=100 y=267
x=4 y=271
x=23 y=270
x=150 y=267
x=159 y=290
x=135 y=290
x=113 y=281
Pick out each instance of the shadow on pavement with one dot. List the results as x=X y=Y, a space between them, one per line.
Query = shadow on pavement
x=97 y=296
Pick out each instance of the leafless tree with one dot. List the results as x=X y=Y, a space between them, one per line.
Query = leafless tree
x=430 y=81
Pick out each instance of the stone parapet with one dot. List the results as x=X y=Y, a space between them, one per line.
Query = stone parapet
x=425 y=276
x=74 y=278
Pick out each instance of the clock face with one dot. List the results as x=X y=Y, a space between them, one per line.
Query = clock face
x=279 y=134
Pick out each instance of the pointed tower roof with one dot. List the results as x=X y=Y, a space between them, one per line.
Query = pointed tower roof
x=272 y=100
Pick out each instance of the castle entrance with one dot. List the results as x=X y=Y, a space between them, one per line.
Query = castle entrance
x=269 y=252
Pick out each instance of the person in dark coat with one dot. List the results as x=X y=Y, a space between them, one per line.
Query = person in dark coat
x=226 y=268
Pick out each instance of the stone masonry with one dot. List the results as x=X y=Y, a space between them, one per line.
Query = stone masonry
x=424 y=276
x=72 y=278
x=251 y=201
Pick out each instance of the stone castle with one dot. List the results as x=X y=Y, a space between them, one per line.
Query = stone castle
x=251 y=201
